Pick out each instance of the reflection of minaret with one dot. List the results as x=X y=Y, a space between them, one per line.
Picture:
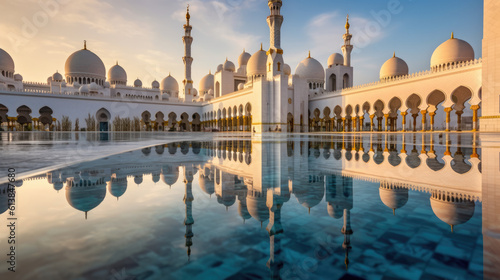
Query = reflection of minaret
x=188 y=60
x=347 y=232
x=189 y=221
x=275 y=229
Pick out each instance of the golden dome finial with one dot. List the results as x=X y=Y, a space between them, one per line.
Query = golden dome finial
x=188 y=16
x=261 y=47
x=394 y=55
x=347 y=25
x=452 y=35
x=84 y=44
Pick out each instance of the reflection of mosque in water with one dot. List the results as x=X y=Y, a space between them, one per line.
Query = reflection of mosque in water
x=261 y=177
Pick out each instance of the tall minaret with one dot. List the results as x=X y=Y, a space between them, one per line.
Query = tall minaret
x=275 y=53
x=188 y=60
x=347 y=47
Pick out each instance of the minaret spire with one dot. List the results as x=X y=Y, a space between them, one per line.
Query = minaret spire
x=347 y=47
x=188 y=60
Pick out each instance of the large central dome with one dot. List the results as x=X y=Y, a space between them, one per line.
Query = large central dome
x=452 y=51
x=311 y=70
x=85 y=63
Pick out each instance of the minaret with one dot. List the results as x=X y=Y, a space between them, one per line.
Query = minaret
x=188 y=60
x=275 y=53
x=347 y=47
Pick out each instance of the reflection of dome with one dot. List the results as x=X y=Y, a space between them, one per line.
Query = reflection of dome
x=393 y=197
x=335 y=59
x=257 y=207
x=257 y=64
x=452 y=51
x=169 y=84
x=58 y=186
x=393 y=67
x=169 y=174
x=85 y=198
x=207 y=83
x=229 y=66
x=310 y=194
x=86 y=63
x=335 y=211
x=311 y=70
x=452 y=212
x=244 y=58
x=117 y=186
x=138 y=179
x=155 y=177
x=6 y=62
x=243 y=210
x=226 y=200
x=117 y=75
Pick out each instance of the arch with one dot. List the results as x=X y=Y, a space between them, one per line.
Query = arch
x=196 y=125
x=103 y=116
x=289 y=122
x=333 y=82
x=217 y=89
x=172 y=121
x=3 y=113
x=413 y=104
x=185 y=125
x=24 y=115
x=345 y=83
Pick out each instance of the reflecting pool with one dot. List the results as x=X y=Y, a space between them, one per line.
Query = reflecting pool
x=361 y=206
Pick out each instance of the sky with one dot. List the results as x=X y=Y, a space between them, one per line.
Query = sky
x=145 y=37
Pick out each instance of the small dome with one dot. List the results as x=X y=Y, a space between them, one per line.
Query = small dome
x=207 y=83
x=394 y=67
x=169 y=84
x=453 y=213
x=86 y=63
x=84 y=89
x=49 y=80
x=63 y=84
x=452 y=51
x=335 y=59
x=241 y=86
x=257 y=64
x=287 y=70
x=93 y=87
x=211 y=92
x=220 y=68
x=311 y=70
x=106 y=85
x=229 y=66
x=155 y=84
x=137 y=83
x=393 y=197
x=76 y=85
x=57 y=77
x=18 y=78
x=243 y=59
x=117 y=74
x=6 y=61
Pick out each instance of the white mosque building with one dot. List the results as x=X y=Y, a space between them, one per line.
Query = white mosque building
x=262 y=94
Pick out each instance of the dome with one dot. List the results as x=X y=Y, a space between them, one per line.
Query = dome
x=85 y=62
x=243 y=59
x=220 y=67
x=93 y=87
x=229 y=66
x=57 y=77
x=84 y=89
x=207 y=83
x=169 y=84
x=155 y=84
x=257 y=64
x=335 y=59
x=452 y=51
x=137 y=83
x=287 y=70
x=49 y=80
x=6 y=61
x=452 y=213
x=106 y=85
x=18 y=78
x=76 y=85
x=393 y=198
x=311 y=70
x=394 y=67
x=241 y=86
x=117 y=74
x=257 y=207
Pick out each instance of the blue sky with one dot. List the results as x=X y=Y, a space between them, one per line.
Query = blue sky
x=145 y=36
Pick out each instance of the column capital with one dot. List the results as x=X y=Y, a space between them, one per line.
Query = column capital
x=404 y=114
x=448 y=110
x=475 y=107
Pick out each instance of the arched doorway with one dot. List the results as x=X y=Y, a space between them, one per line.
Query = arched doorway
x=103 y=116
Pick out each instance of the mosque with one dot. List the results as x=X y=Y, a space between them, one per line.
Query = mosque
x=263 y=95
